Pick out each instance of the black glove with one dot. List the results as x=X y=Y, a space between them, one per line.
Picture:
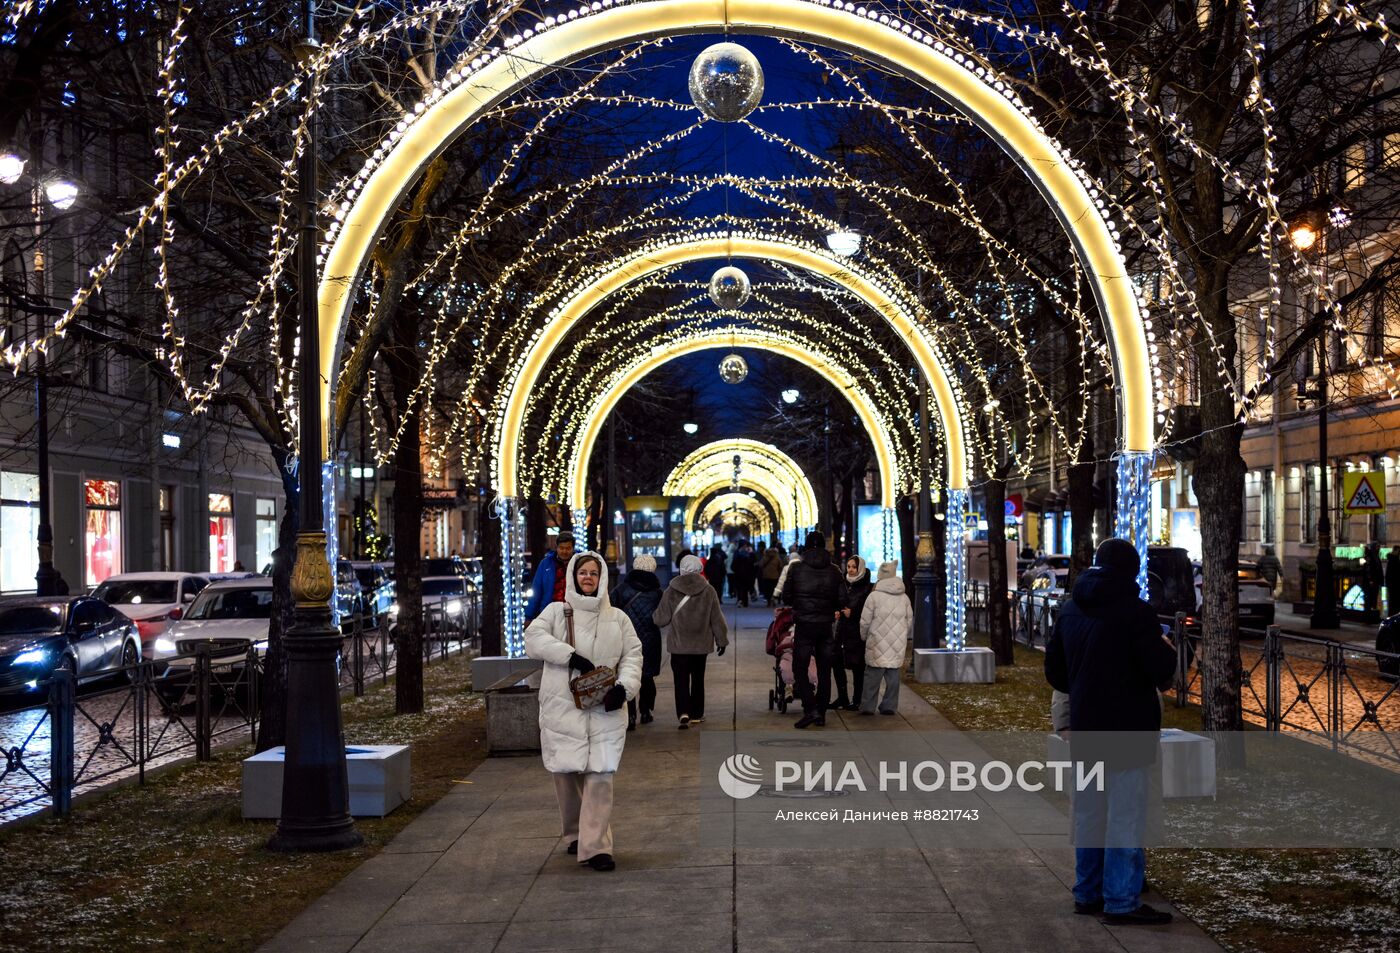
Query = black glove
x=580 y=664
x=614 y=699
x=720 y=650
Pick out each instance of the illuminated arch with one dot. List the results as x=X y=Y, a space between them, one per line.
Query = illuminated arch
x=770 y=492
x=759 y=463
x=614 y=277
x=744 y=504
x=597 y=414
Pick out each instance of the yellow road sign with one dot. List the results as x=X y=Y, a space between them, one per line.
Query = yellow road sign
x=1364 y=491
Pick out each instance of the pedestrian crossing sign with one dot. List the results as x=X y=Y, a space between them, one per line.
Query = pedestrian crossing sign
x=1364 y=491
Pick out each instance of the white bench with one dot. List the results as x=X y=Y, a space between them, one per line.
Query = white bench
x=379 y=776
x=977 y=665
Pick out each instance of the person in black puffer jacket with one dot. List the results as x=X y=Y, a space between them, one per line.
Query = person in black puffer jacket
x=816 y=590
x=638 y=595
x=1109 y=655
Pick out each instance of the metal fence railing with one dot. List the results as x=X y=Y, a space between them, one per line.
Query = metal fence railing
x=145 y=715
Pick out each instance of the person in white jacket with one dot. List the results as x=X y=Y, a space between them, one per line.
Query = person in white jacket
x=582 y=747
x=885 y=624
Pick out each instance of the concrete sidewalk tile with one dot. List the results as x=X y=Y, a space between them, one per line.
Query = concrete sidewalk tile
x=366 y=893
x=286 y=942
x=850 y=886
x=684 y=891
x=838 y=924
x=461 y=899
x=424 y=937
x=621 y=934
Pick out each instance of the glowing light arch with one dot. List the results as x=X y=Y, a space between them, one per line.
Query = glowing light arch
x=697 y=473
x=763 y=495
x=745 y=504
x=615 y=276
x=467 y=91
x=597 y=414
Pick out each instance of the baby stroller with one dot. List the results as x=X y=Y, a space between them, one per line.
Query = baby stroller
x=779 y=645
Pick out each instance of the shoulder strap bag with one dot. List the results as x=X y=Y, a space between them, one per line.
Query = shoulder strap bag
x=589 y=688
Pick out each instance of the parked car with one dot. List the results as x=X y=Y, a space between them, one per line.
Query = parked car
x=376 y=590
x=1256 y=599
x=153 y=600
x=226 y=616
x=455 y=596
x=1388 y=640
x=81 y=634
x=442 y=566
x=349 y=595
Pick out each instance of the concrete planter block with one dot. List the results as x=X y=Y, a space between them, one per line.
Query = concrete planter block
x=1187 y=762
x=972 y=665
x=487 y=670
x=379 y=778
x=513 y=714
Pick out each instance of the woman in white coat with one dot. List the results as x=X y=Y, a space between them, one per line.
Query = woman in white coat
x=886 y=623
x=582 y=748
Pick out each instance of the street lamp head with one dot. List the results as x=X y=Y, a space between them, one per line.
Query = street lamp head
x=11 y=168
x=61 y=193
x=690 y=427
x=844 y=242
x=790 y=395
x=1303 y=236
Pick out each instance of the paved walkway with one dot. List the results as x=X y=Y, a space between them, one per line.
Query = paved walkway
x=484 y=869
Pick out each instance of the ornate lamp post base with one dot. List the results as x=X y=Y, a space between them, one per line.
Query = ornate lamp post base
x=315 y=790
x=926 y=628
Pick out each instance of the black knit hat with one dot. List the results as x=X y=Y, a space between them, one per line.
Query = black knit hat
x=816 y=540
x=1118 y=557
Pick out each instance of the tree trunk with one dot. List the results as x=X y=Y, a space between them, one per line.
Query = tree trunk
x=1081 y=511
x=1218 y=479
x=536 y=539
x=272 y=688
x=405 y=371
x=998 y=606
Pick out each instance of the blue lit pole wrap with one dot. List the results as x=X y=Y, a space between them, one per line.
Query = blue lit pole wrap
x=1134 y=501
x=890 y=542
x=331 y=519
x=580 y=517
x=955 y=562
x=512 y=567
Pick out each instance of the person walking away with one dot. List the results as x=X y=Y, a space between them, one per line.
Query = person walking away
x=716 y=569
x=816 y=591
x=550 y=576
x=743 y=573
x=693 y=618
x=582 y=747
x=886 y=625
x=850 y=650
x=1108 y=653
x=638 y=595
x=1392 y=581
x=770 y=567
x=1372 y=578
x=1270 y=568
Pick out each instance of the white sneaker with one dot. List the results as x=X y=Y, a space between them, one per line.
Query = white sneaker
x=685 y=722
x=696 y=721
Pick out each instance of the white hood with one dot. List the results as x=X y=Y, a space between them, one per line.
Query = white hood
x=578 y=600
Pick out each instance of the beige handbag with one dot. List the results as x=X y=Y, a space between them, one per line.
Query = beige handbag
x=589 y=688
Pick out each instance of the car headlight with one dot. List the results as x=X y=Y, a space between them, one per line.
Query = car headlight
x=454 y=606
x=165 y=645
x=32 y=657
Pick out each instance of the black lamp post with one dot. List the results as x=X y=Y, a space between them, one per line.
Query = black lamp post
x=315 y=792
x=925 y=578
x=1324 y=614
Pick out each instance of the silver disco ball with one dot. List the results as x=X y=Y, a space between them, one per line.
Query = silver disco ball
x=729 y=288
x=733 y=369
x=726 y=82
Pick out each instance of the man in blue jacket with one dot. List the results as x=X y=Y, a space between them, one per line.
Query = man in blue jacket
x=550 y=576
x=1109 y=655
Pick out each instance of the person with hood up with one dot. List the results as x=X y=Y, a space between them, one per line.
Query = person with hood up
x=816 y=590
x=691 y=609
x=886 y=623
x=770 y=567
x=717 y=569
x=850 y=649
x=638 y=595
x=742 y=572
x=582 y=747
x=550 y=576
x=1108 y=653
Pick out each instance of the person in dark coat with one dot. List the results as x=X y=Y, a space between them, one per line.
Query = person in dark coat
x=1270 y=568
x=638 y=595
x=850 y=650
x=816 y=590
x=716 y=569
x=1372 y=576
x=1108 y=653
x=743 y=570
x=1392 y=581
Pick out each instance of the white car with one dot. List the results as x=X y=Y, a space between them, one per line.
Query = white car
x=153 y=600
x=228 y=616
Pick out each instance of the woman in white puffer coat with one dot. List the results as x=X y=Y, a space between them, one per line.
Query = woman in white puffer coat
x=582 y=748
x=885 y=624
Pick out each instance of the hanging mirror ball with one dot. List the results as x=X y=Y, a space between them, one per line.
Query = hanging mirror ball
x=729 y=287
x=733 y=369
x=726 y=82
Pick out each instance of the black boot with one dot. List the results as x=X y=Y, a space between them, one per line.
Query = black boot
x=1143 y=916
x=601 y=862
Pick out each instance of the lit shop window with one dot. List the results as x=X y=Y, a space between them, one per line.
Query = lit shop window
x=221 y=550
x=267 y=532
x=19 y=530
x=102 y=534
